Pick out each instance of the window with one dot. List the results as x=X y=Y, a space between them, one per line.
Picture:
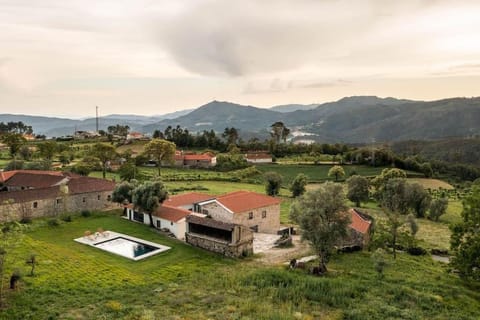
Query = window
x=250 y=215
x=264 y=214
x=159 y=224
x=109 y=198
x=59 y=201
x=35 y=204
x=84 y=199
x=171 y=223
x=205 y=211
x=98 y=197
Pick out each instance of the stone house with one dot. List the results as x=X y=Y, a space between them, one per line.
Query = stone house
x=35 y=193
x=360 y=230
x=259 y=212
x=231 y=240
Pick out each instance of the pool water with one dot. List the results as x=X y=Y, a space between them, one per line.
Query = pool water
x=126 y=247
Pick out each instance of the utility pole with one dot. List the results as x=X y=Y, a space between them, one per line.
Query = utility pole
x=373 y=152
x=96 y=118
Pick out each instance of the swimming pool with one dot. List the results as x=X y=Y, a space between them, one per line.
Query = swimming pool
x=123 y=245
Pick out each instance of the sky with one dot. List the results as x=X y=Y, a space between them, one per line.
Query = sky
x=150 y=57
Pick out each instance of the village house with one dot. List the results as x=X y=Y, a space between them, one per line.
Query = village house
x=258 y=157
x=259 y=212
x=35 y=193
x=205 y=160
x=135 y=136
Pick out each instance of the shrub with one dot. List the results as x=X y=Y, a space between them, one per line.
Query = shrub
x=67 y=218
x=53 y=222
x=85 y=213
x=26 y=220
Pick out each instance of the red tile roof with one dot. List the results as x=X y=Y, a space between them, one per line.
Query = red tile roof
x=255 y=156
x=42 y=179
x=358 y=222
x=87 y=184
x=241 y=201
x=171 y=213
x=199 y=157
x=187 y=199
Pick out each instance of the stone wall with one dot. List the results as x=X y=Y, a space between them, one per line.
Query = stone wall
x=243 y=248
x=217 y=212
x=55 y=206
x=267 y=219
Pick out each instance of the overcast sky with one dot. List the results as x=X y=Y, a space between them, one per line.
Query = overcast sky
x=64 y=57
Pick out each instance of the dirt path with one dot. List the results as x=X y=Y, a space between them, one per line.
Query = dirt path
x=281 y=255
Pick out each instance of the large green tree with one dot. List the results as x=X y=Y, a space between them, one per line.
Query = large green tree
x=357 y=189
x=47 y=149
x=465 y=239
x=273 y=182
x=160 y=150
x=148 y=196
x=337 y=172
x=104 y=153
x=298 y=185
x=122 y=194
x=438 y=207
x=321 y=215
x=419 y=199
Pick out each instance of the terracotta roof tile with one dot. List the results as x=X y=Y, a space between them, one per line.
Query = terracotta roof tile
x=199 y=157
x=34 y=180
x=30 y=195
x=358 y=222
x=241 y=201
x=170 y=213
x=187 y=199
x=87 y=184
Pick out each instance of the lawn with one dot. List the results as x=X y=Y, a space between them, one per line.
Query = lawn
x=76 y=281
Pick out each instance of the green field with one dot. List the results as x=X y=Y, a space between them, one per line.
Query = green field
x=75 y=281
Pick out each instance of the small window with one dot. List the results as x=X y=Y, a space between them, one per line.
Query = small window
x=264 y=214
x=250 y=215
x=84 y=199
x=109 y=198
x=171 y=223
x=159 y=224
x=35 y=204
x=59 y=201
x=205 y=211
x=98 y=197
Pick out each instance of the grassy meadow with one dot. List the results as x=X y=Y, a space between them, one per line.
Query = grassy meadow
x=75 y=281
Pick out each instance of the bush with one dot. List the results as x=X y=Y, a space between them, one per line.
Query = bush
x=85 y=213
x=416 y=251
x=67 y=218
x=26 y=220
x=53 y=222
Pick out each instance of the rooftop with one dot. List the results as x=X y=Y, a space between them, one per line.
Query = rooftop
x=241 y=201
x=187 y=199
x=359 y=222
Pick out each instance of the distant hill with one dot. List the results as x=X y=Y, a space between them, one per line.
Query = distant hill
x=350 y=120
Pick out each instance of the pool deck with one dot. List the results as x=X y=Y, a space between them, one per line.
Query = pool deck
x=96 y=238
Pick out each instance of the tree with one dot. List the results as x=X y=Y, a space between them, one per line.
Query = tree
x=438 y=207
x=426 y=169
x=148 y=196
x=465 y=238
x=157 y=134
x=129 y=171
x=119 y=130
x=47 y=149
x=273 y=182
x=105 y=153
x=336 y=171
x=231 y=135
x=321 y=215
x=298 y=185
x=394 y=196
x=357 y=189
x=160 y=150
x=14 y=141
x=419 y=199
x=122 y=194
x=279 y=132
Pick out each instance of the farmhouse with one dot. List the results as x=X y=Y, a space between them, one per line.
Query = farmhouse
x=258 y=157
x=35 y=193
x=255 y=211
x=205 y=160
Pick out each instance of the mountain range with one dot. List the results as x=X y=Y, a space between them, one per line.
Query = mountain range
x=352 y=120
